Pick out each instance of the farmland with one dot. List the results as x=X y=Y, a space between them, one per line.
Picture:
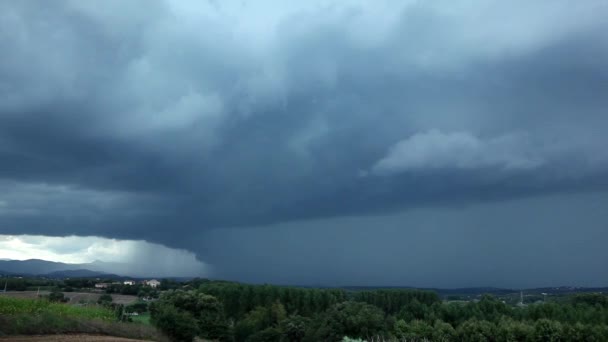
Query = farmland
x=17 y=306
x=29 y=316
x=74 y=297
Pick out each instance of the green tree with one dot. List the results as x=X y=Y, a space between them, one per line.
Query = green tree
x=575 y=332
x=509 y=330
x=262 y=324
x=591 y=299
x=414 y=310
x=476 y=331
x=57 y=296
x=105 y=299
x=352 y=319
x=546 y=330
x=211 y=320
x=415 y=330
x=256 y=320
x=178 y=325
x=442 y=331
x=294 y=328
x=270 y=334
x=205 y=309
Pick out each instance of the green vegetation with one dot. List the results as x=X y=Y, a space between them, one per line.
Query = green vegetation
x=41 y=316
x=236 y=312
x=83 y=285
x=104 y=299
x=142 y=318
x=57 y=296
x=204 y=314
x=227 y=311
x=138 y=306
x=28 y=284
x=15 y=306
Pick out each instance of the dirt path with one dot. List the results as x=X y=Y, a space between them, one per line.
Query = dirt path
x=66 y=338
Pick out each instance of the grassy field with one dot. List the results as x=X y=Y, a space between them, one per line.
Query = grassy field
x=17 y=306
x=74 y=297
x=143 y=318
x=23 y=316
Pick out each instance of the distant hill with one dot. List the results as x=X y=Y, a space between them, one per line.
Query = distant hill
x=7 y=273
x=32 y=266
x=95 y=269
x=53 y=269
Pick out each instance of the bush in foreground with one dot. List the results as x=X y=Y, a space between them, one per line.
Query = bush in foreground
x=178 y=325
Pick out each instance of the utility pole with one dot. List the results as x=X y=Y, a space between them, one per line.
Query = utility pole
x=521 y=299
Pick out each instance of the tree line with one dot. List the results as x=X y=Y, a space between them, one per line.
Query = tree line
x=227 y=311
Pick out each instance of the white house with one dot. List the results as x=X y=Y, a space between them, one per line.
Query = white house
x=129 y=282
x=152 y=283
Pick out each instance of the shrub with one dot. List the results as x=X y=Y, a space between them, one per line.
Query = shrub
x=177 y=325
x=105 y=299
x=57 y=296
x=206 y=311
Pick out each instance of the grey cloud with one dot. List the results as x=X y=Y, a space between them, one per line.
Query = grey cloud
x=435 y=149
x=517 y=243
x=123 y=257
x=164 y=119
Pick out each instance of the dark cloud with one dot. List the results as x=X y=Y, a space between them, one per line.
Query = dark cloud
x=162 y=120
x=533 y=243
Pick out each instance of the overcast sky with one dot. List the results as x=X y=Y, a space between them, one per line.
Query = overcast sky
x=422 y=143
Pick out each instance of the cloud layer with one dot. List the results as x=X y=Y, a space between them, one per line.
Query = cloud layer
x=459 y=150
x=164 y=120
x=123 y=257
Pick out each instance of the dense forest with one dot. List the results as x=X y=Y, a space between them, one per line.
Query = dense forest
x=238 y=312
x=228 y=311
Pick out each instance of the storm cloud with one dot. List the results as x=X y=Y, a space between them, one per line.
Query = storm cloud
x=122 y=257
x=193 y=124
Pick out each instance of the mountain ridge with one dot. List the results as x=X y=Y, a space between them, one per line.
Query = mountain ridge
x=95 y=269
x=39 y=267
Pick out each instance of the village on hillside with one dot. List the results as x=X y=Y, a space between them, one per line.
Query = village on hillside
x=152 y=283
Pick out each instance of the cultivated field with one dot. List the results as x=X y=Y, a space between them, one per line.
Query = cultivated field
x=74 y=297
x=28 y=319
